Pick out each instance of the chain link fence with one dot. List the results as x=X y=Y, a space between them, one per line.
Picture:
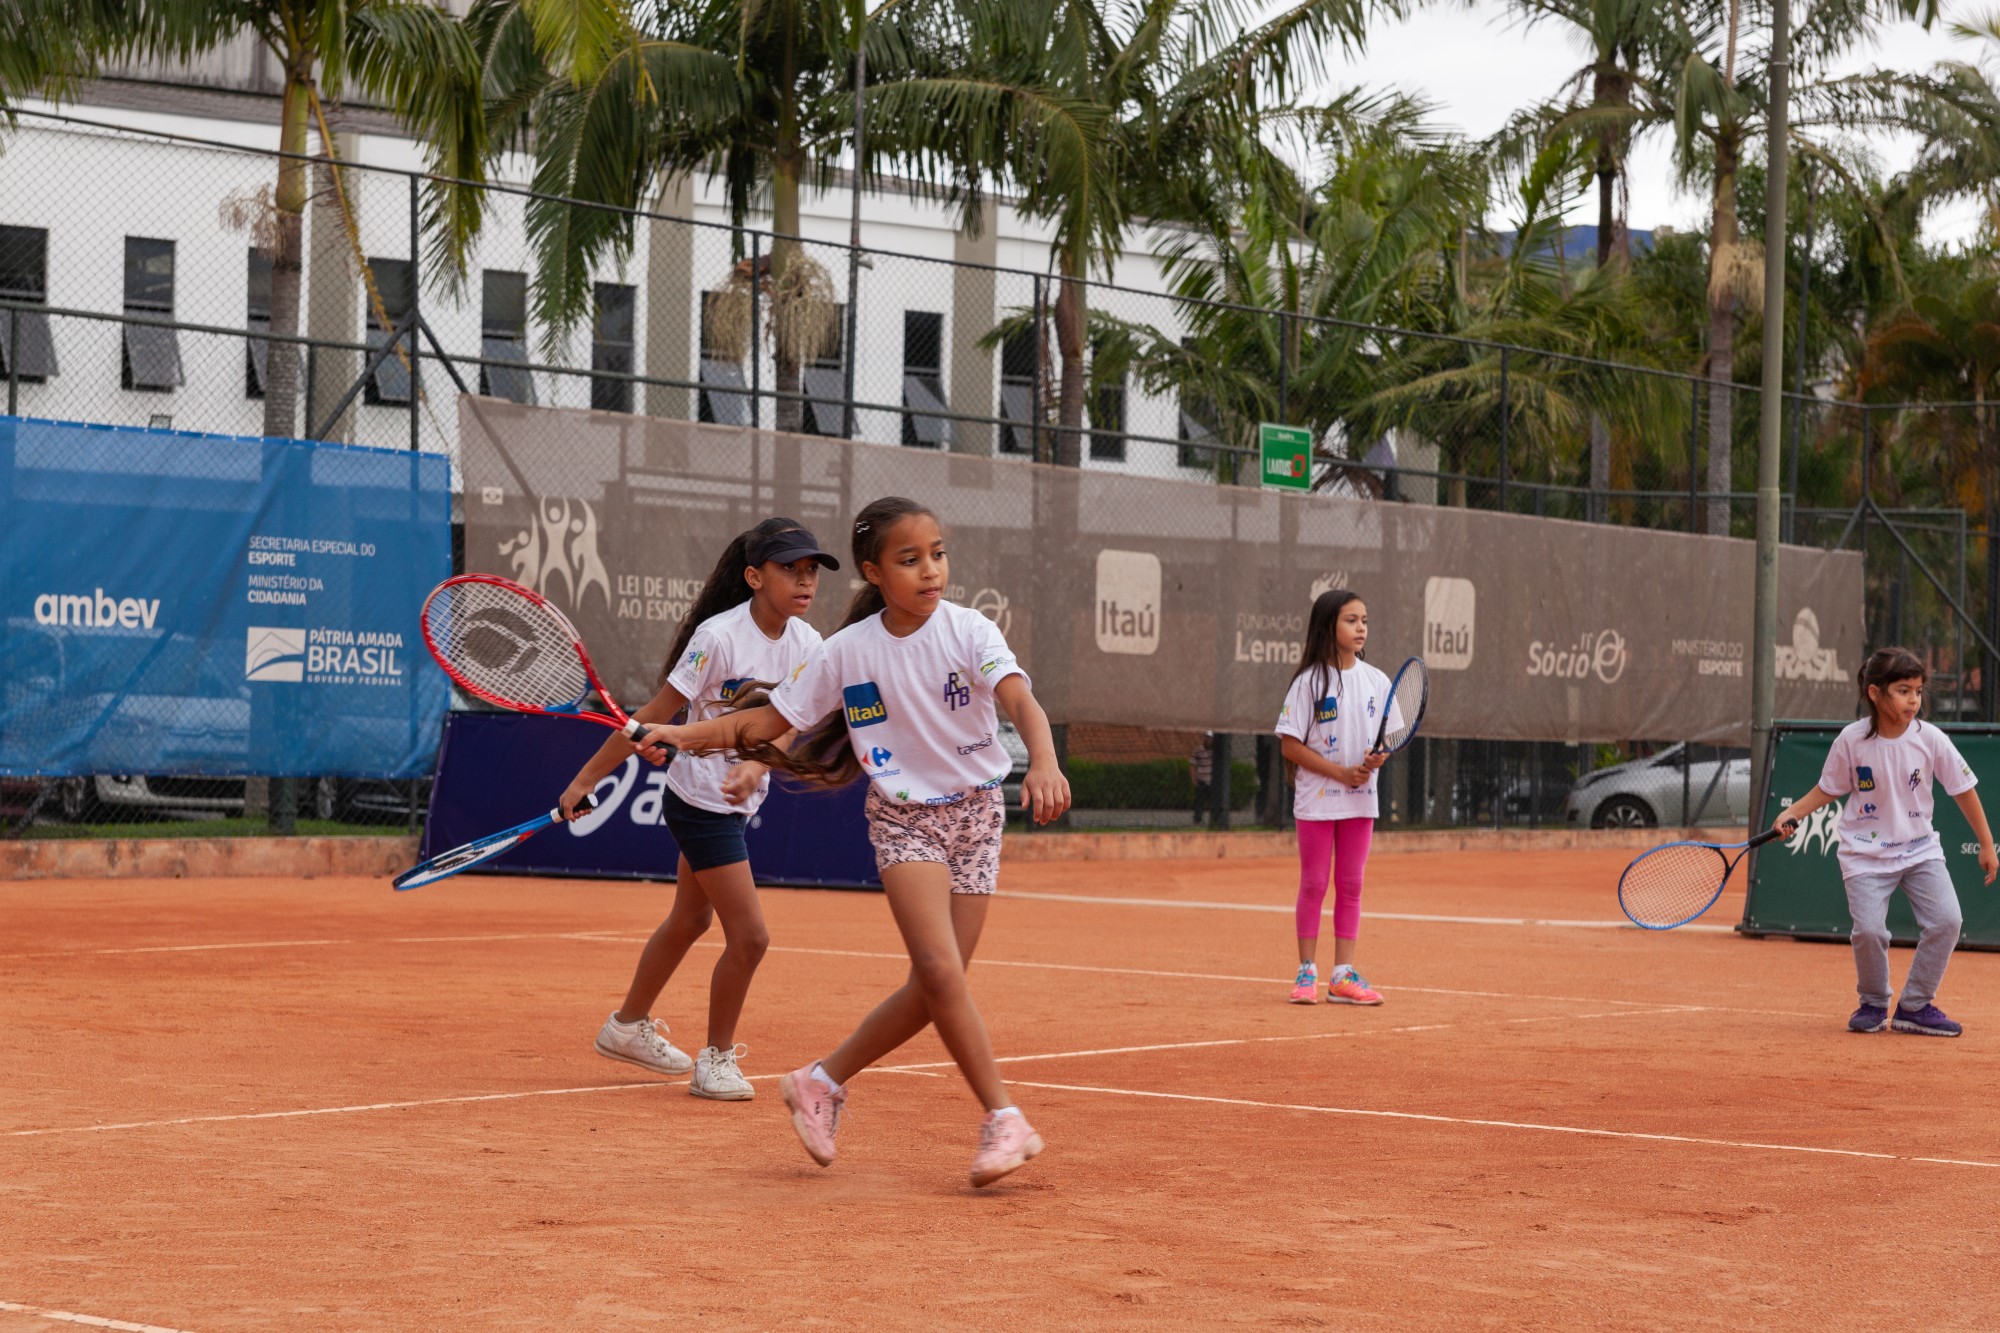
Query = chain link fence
x=148 y=280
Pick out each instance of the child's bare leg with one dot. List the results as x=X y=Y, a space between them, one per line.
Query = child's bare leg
x=732 y=892
x=905 y=1013
x=919 y=894
x=686 y=923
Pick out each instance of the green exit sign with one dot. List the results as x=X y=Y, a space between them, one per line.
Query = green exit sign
x=1287 y=454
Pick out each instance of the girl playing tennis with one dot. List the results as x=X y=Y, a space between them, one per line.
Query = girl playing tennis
x=904 y=692
x=746 y=626
x=1331 y=715
x=1884 y=764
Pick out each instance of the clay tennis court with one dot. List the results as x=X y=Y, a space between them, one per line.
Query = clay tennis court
x=246 y=1104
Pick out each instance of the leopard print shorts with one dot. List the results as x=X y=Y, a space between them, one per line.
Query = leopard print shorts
x=964 y=837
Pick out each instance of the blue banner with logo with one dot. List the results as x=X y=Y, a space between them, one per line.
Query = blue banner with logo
x=184 y=603
x=501 y=769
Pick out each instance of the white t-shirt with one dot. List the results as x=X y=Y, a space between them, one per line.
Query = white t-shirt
x=1886 y=822
x=919 y=709
x=727 y=652
x=1340 y=725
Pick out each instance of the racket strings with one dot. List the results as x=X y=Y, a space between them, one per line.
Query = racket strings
x=1674 y=884
x=1410 y=697
x=506 y=645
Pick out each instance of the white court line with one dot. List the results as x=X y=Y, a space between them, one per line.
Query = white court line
x=1202 y=905
x=587 y=936
x=883 y=1069
x=91 y=1320
x=1508 y=1124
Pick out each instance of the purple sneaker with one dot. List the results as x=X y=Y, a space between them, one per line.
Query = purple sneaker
x=1869 y=1018
x=1929 y=1021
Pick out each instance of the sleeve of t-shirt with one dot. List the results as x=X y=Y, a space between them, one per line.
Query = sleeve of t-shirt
x=812 y=691
x=1295 y=718
x=996 y=659
x=1836 y=777
x=1953 y=773
x=698 y=665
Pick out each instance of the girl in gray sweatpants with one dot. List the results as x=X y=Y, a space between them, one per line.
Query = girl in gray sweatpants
x=1884 y=765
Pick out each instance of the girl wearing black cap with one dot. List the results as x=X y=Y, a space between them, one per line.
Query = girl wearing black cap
x=746 y=629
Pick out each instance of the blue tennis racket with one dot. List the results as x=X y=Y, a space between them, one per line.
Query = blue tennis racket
x=1672 y=885
x=446 y=864
x=1409 y=697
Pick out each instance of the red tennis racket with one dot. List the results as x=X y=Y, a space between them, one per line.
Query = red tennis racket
x=506 y=644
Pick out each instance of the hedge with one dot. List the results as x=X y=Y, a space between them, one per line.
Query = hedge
x=1151 y=784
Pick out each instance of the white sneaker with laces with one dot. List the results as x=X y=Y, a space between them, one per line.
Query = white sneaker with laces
x=717 y=1077
x=644 y=1044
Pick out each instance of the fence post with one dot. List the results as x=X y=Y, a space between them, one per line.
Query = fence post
x=13 y=363
x=1694 y=455
x=1284 y=367
x=1505 y=415
x=854 y=235
x=416 y=316
x=1035 y=402
x=756 y=312
x=1867 y=430
x=1218 y=783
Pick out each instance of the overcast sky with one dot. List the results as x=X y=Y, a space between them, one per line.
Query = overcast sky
x=1478 y=64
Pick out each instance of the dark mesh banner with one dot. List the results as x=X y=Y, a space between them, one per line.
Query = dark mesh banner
x=1169 y=604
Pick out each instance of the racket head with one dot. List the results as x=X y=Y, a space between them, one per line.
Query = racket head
x=1409 y=698
x=1674 y=884
x=508 y=645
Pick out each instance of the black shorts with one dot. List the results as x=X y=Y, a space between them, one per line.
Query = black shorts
x=706 y=839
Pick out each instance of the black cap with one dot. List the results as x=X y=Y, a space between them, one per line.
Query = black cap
x=792 y=544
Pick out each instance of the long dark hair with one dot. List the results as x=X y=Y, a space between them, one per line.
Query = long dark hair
x=1884 y=667
x=726 y=586
x=822 y=755
x=1322 y=646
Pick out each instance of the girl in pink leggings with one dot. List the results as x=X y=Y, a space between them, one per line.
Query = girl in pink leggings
x=1331 y=716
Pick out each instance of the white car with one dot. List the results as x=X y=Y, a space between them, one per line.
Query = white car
x=1665 y=789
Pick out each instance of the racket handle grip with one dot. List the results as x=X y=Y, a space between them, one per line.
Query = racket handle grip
x=1771 y=835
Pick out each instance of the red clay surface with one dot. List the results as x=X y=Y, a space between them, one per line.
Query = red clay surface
x=1216 y=1157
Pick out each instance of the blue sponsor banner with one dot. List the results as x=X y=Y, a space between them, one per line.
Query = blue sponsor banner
x=500 y=769
x=184 y=603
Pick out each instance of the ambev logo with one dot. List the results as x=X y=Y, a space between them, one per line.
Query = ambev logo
x=96 y=611
x=274 y=654
x=1450 y=607
x=1128 y=602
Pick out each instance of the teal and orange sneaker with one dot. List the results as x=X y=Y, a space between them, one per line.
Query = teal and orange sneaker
x=1305 y=987
x=1348 y=987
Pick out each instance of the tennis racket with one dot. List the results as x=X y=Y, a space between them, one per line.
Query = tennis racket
x=1409 y=696
x=446 y=864
x=500 y=642
x=1672 y=885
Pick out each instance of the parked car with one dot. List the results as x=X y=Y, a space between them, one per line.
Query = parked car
x=115 y=796
x=1665 y=788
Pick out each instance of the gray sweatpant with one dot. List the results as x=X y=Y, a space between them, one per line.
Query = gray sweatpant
x=1927 y=885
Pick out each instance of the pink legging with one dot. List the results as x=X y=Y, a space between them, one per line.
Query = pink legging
x=1340 y=846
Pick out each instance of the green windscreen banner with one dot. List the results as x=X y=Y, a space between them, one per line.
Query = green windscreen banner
x=1795 y=885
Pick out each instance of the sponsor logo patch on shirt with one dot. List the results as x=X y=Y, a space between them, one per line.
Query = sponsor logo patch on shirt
x=1328 y=710
x=1864 y=778
x=864 y=705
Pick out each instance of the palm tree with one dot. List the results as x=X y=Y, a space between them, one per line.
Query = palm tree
x=404 y=54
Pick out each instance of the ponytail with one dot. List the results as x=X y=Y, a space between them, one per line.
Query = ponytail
x=726 y=587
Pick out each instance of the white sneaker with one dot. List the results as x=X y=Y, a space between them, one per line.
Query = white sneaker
x=716 y=1076
x=644 y=1044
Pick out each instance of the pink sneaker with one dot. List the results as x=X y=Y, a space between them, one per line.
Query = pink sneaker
x=1006 y=1142
x=1305 y=986
x=1349 y=988
x=815 y=1112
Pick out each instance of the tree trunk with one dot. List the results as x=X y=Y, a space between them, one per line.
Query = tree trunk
x=1071 y=318
x=281 y=374
x=790 y=413
x=1723 y=242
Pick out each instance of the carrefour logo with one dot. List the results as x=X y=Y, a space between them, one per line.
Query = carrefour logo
x=880 y=757
x=864 y=705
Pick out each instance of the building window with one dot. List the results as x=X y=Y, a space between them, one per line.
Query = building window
x=824 y=380
x=1107 y=403
x=923 y=380
x=1195 y=426
x=152 y=351
x=611 y=347
x=720 y=371
x=1018 y=354
x=24 y=280
x=503 y=336
x=257 y=351
x=390 y=384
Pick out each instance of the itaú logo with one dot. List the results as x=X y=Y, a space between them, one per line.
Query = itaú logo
x=1602 y=654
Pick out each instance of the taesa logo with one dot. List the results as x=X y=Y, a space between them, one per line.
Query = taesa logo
x=272 y=654
x=864 y=705
x=880 y=757
x=1864 y=778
